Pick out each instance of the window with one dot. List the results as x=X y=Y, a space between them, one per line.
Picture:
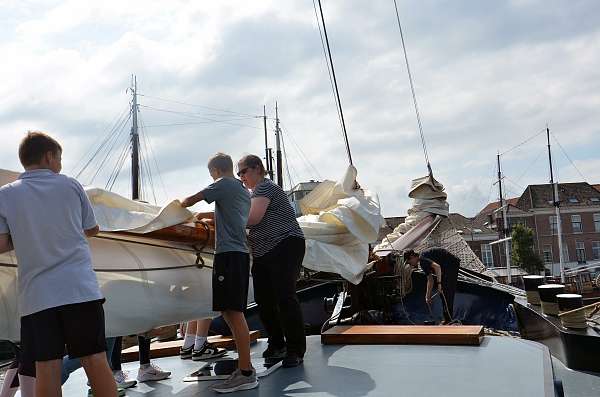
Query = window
x=595 y=249
x=580 y=250
x=576 y=223
x=553 y=225
x=573 y=200
x=547 y=254
x=487 y=257
x=597 y=222
x=595 y=199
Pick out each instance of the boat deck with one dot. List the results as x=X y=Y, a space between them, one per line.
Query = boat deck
x=500 y=366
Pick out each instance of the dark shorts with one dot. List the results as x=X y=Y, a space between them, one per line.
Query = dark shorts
x=231 y=276
x=79 y=327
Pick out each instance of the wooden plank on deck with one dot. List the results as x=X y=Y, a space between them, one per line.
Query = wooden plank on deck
x=403 y=334
x=171 y=348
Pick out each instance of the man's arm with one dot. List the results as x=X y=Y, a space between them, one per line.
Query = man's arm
x=429 y=288
x=191 y=200
x=437 y=269
x=5 y=243
x=92 y=232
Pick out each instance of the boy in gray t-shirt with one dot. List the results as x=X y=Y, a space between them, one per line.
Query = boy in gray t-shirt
x=231 y=265
x=45 y=217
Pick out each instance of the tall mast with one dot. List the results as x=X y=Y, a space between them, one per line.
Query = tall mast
x=505 y=225
x=278 y=148
x=135 y=145
x=556 y=203
x=268 y=165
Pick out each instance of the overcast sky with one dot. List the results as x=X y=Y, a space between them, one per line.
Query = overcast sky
x=488 y=75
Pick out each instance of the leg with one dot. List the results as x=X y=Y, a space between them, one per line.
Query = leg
x=241 y=334
x=115 y=356
x=26 y=379
x=265 y=298
x=286 y=271
x=48 y=378
x=201 y=336
x=449 y=282
x=100 y=376
x=144 y=349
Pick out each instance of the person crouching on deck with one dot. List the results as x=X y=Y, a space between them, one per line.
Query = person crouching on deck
x=444 y=266
x=231 y=266
x=46 y=217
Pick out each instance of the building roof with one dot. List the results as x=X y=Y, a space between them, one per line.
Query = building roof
x=304 y=186
x=596 y=186
x=577 y=194
x=496 y=204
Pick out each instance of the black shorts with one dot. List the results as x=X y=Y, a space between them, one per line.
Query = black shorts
x=231 y=275
x=79 y=327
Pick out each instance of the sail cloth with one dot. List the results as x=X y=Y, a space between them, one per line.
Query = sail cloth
x=116 y=213
x=429 y=199
x=339 y=221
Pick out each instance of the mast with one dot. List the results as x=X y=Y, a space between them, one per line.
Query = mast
x=135 y=144
x=556 y=203
x=505 y=224
x=278 y=148
x=269 y=163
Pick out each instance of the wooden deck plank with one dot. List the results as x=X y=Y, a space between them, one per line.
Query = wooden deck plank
x=171 y=348
x=403 y=334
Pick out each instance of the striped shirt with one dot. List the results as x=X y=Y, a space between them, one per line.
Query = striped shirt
x=278 y=223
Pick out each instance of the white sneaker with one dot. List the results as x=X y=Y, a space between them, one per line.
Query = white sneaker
x=151 y=372
x=122 y=380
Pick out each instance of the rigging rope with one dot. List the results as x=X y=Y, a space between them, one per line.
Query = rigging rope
x=567 y=156
x=198 y=116
x=337 y=92
x=412 y=88
x=199 y=106
x=328 y=69
x=522 y=143
x=301 y=152
x=287 y=163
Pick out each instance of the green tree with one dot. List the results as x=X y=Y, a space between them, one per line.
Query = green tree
x=523 y=254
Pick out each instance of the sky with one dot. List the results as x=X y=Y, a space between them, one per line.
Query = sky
x=488 y=76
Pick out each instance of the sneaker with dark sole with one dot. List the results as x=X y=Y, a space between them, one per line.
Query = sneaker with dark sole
x=208 y=352
x=120 y=392
x=274 y=353
x=291 y=360
x=185 y=354
x=237 y=381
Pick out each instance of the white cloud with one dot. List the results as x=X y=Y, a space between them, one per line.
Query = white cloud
x=487 y=77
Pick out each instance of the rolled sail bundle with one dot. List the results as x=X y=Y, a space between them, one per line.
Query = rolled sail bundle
x=532 y=282
x=548 y=294
x=571 y=302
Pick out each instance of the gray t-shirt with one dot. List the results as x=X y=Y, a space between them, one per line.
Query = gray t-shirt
x=45 y=214
x=232 y=207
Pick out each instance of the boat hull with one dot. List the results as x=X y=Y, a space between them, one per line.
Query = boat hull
x=145 y=286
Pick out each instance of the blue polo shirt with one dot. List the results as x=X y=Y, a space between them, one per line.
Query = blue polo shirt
x=45 y=214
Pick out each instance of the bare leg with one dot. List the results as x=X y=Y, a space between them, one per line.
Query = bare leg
x=48 y=378
x=190 y=327
x=202 y=327
x=100 y=375
x=241 y=334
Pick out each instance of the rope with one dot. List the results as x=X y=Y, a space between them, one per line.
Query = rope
x=575 y=320
x=337 y=91
x=412 y=89
x=567 y=156
x=522 y=143
x=550 y=308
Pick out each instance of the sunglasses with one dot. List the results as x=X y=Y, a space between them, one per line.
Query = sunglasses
x=243 y=171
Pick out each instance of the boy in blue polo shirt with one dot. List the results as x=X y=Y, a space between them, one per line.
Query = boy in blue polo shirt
x=45 y=217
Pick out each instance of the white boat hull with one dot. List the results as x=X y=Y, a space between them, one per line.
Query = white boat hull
x=145 y=287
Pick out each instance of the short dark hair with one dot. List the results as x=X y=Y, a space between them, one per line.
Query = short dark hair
x=253 y=161
x=221 y=162
x=409 y=254
x=35 y=145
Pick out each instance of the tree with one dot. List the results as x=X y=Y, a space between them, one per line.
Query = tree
x=523 y=254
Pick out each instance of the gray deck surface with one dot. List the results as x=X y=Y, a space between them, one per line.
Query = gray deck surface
x=499 y=367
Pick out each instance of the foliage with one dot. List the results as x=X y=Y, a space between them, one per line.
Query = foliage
x=523 y=254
